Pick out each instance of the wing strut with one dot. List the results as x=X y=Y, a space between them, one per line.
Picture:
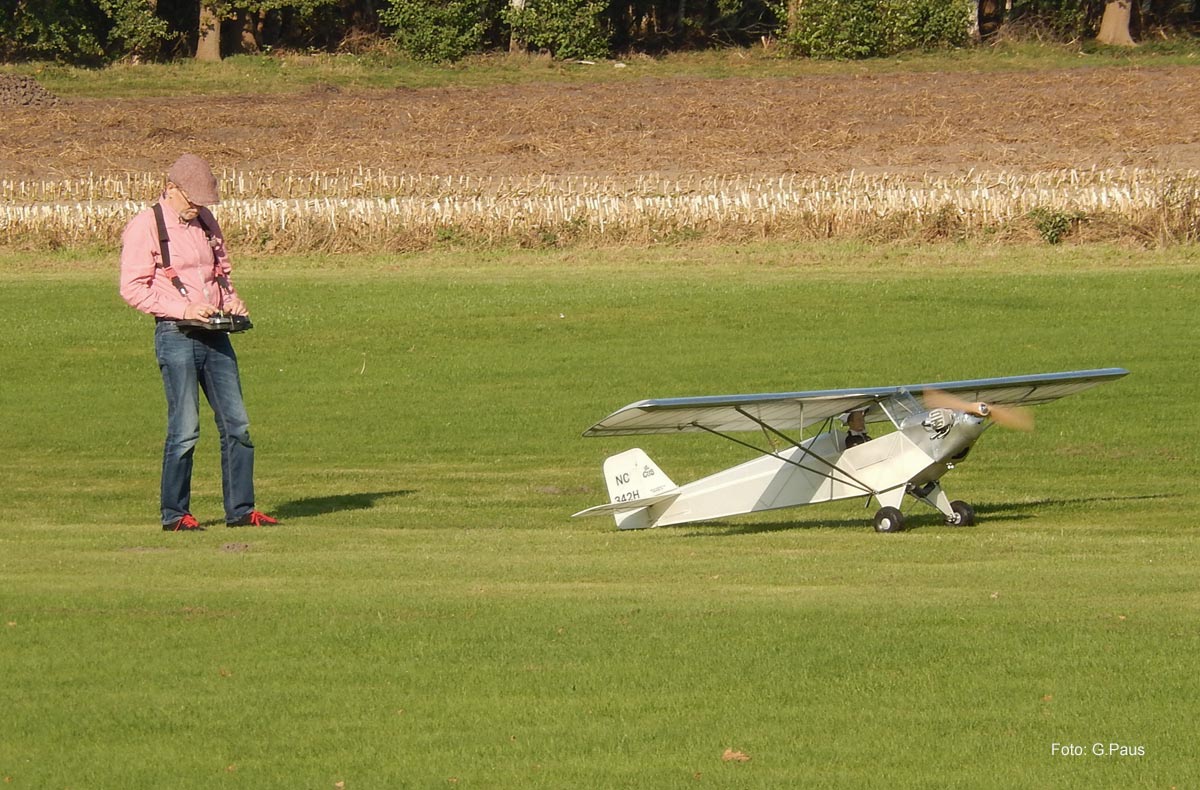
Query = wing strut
x=850 y=482
x=828 y=421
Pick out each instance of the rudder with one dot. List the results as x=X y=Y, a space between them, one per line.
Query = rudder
x=634 y=479
x=631 y=476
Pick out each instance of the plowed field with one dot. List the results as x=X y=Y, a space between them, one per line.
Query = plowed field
x=942 y=123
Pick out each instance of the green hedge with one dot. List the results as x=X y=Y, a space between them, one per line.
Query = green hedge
x=567 y=29
x=849 y=29
x=437 y=30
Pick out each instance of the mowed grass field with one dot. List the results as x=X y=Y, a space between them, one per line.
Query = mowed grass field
x=428 y=616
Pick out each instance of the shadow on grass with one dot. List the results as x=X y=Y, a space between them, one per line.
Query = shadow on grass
x=990 y=512
x=335 y=503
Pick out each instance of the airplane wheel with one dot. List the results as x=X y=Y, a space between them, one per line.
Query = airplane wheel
x=888 y=519
x=964 y=515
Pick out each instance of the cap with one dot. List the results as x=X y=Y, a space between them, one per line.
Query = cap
x=193 y=175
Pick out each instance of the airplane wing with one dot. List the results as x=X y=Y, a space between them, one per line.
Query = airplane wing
x=797 y=410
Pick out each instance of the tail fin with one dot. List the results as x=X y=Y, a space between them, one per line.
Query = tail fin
x=634 y=484
x=633 y=477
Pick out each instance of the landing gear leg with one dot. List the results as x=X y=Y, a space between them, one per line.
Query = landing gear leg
x=957 y=513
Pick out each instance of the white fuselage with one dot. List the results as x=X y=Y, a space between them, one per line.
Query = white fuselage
x=821 y=470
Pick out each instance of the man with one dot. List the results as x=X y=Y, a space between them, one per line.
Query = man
x=856 y=429
x=174 y=266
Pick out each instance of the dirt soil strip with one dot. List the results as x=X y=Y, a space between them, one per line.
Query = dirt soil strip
x=904 y=123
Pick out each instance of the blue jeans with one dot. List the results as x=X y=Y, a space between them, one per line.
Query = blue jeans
x=203 y=360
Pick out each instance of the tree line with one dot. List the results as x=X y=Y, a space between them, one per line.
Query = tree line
x=94 y=32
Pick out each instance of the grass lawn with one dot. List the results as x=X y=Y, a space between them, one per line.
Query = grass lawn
x=429 y=616
x=287 y=72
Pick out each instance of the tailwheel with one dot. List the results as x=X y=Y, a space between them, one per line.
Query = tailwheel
x=888 y=519
x=963 y=516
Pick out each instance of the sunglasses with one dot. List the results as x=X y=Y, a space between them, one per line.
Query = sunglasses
x=183 y=194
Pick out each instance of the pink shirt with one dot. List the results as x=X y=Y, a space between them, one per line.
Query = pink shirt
x=145 y=286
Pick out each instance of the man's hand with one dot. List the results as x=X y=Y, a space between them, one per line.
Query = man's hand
x=201 y=311
x=235 y=306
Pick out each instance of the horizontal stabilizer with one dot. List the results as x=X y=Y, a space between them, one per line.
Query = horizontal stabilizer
x=613 y=508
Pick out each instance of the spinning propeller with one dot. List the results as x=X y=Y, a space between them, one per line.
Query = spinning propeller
x=1008 y=416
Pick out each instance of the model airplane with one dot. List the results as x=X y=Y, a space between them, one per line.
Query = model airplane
x=935 y=427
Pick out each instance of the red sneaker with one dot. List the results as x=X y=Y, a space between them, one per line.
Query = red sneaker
x=185 y=523
x=254 y=519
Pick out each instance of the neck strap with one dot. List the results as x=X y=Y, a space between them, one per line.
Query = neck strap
x=164 y=261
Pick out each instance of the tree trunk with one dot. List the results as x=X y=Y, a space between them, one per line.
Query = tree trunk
x=793 y=16
x=208 y=43
x=515 y=44
x=1114 y=25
